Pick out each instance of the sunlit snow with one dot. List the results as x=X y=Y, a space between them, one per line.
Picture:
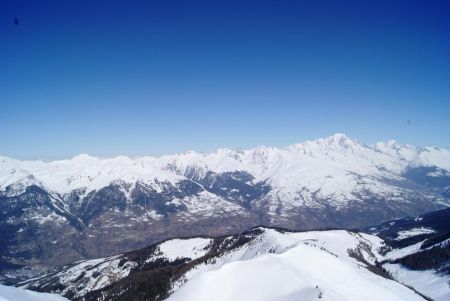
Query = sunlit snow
x=293 y=266
x=9 y=293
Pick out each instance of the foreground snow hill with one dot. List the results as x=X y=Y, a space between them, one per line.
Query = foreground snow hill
x=8 y=293
x=259 y=264
x=54 y=213
x=300 y=272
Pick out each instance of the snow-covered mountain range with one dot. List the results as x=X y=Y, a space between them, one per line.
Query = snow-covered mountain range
x=329 y=166
x=60 y=211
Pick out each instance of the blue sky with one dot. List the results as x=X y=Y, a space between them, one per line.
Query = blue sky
x=155 y=77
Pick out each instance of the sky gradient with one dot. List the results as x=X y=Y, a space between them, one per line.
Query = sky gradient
x=156 y=77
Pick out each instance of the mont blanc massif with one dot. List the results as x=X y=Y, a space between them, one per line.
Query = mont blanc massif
x=294 y=223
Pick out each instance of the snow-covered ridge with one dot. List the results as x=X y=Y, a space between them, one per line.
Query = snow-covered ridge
x=259 y=264
x=327 y=164
x=294 y=266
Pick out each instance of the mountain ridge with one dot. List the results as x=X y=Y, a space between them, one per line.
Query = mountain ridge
x=171 y=167
x=336 y=139
x=180 y=267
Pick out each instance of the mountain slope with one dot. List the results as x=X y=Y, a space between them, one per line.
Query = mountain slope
x=60 y=211
x=259 y=264
x=419 y=253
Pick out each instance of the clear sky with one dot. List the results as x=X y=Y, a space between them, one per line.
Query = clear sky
x=154 y=77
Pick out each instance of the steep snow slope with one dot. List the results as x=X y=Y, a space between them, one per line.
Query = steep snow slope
x=8 y=293
x=427 y=282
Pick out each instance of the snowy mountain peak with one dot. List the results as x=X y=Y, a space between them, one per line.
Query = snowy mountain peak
x=84 y=158
x=340 y=139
